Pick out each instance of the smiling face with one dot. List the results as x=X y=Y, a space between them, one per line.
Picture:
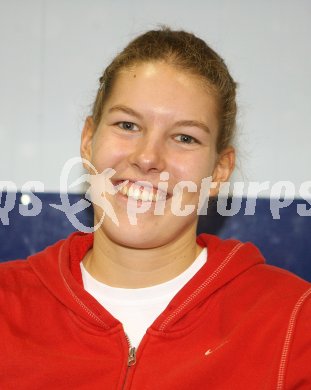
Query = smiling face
x=156 y=119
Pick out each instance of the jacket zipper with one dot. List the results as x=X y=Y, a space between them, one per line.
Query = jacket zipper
x=131 y=359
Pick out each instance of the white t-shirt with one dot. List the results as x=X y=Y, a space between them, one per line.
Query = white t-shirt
x=138 y=308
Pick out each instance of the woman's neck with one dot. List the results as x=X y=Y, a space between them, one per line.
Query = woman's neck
x=120 y=266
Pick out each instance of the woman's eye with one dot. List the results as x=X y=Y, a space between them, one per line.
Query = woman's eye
x=185 y=139
x=130 y=126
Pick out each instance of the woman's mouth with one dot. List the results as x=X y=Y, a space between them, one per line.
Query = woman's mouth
x=142 y=191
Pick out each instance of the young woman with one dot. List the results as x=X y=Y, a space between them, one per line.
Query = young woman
x=143 y=303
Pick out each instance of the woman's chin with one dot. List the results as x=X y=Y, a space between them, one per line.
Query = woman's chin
x=140 y=235
x=147 y=231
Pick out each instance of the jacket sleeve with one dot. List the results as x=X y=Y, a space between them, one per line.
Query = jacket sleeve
x=295 y=364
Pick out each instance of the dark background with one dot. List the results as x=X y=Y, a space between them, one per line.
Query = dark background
x=285 y=242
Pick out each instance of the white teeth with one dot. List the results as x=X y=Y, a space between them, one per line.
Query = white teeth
x=136 y=194
x=145 y=195
x=130 y=192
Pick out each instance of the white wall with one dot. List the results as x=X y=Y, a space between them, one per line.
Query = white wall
x=52 y=53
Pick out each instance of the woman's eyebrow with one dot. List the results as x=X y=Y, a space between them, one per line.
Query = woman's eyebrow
x=126 y=110
x=193 y=123
x=181 y=123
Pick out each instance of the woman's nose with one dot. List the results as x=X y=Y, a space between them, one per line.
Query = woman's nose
x=148 y=155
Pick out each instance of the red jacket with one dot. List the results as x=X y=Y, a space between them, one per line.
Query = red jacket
x=237 y=324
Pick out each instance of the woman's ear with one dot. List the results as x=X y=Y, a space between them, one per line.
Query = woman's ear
x=224 y=167
x=86 y=140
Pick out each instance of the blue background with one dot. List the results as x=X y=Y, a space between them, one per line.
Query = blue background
x=285 y=242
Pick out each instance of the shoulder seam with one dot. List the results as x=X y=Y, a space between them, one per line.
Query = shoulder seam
x=77 y=300
x=288 y=339
x=211 y=277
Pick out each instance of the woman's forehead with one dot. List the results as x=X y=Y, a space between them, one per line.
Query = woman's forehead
x=164 y=87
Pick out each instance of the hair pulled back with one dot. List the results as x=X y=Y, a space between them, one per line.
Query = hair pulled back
x=186 y=52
